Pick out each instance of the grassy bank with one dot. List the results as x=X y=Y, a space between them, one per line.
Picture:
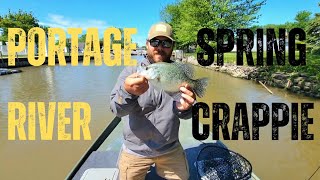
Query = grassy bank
x=312 y=67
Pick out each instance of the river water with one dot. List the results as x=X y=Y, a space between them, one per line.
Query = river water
x=53 y=159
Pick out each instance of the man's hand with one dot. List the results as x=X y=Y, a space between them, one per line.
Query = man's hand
x=188 y=98
x=135 y=84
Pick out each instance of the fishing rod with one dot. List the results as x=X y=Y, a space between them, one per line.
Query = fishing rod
x=314 y=173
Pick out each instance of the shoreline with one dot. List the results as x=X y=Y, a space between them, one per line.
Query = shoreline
x=298 y=83
x=5 y=71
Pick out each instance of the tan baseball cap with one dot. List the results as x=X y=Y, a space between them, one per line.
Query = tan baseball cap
x=161 y=29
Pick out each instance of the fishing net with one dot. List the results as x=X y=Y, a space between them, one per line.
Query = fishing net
x=218 y=163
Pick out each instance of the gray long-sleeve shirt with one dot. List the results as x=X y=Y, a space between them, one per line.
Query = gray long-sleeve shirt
x=151 y=120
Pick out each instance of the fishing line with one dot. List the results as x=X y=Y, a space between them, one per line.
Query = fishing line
x=314 y=173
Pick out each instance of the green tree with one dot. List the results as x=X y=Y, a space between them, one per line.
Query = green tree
x=302 y=19
x=118 y=41
x=20 y=19
x=187 y=17
x=45 y=28
x=68 y=45
x=313 y=34
x=82 y=38
x=288 y=26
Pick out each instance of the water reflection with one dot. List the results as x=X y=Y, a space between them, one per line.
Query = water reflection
x=53 y=159
x=271 y=159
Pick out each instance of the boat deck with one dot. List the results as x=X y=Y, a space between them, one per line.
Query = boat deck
x=107 y=154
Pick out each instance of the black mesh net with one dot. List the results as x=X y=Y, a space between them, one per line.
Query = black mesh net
x=218 y=163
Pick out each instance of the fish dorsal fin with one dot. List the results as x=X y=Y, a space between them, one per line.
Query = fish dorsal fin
x=187 y=68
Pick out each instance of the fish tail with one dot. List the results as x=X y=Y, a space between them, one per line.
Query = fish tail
x=200 y=86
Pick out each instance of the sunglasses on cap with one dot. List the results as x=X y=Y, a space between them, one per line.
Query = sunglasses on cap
x=165 y=43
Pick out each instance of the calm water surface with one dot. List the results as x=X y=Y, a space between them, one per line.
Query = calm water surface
x=281 y=159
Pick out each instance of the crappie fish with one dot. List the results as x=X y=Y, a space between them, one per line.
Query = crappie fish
x=171 y=76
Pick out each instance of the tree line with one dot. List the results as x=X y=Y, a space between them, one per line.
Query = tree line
x=187 y=17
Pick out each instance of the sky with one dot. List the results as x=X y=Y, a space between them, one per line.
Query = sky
x=130 y=14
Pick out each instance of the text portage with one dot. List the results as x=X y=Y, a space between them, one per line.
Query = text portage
x=57 y=43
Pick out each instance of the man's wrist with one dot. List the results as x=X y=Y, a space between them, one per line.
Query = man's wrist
x=123 y=89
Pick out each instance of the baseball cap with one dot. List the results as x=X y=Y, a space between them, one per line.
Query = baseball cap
x=161 y=29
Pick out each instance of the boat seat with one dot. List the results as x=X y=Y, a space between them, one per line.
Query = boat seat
x=100 y=173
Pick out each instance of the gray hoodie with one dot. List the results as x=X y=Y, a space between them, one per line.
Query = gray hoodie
x=151 y=120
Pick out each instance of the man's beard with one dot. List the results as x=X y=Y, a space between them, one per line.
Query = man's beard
x=165 y=57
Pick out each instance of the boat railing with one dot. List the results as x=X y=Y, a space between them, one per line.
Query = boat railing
x=97 y=143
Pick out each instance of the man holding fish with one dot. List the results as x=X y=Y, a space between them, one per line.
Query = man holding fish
x=144 y=97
